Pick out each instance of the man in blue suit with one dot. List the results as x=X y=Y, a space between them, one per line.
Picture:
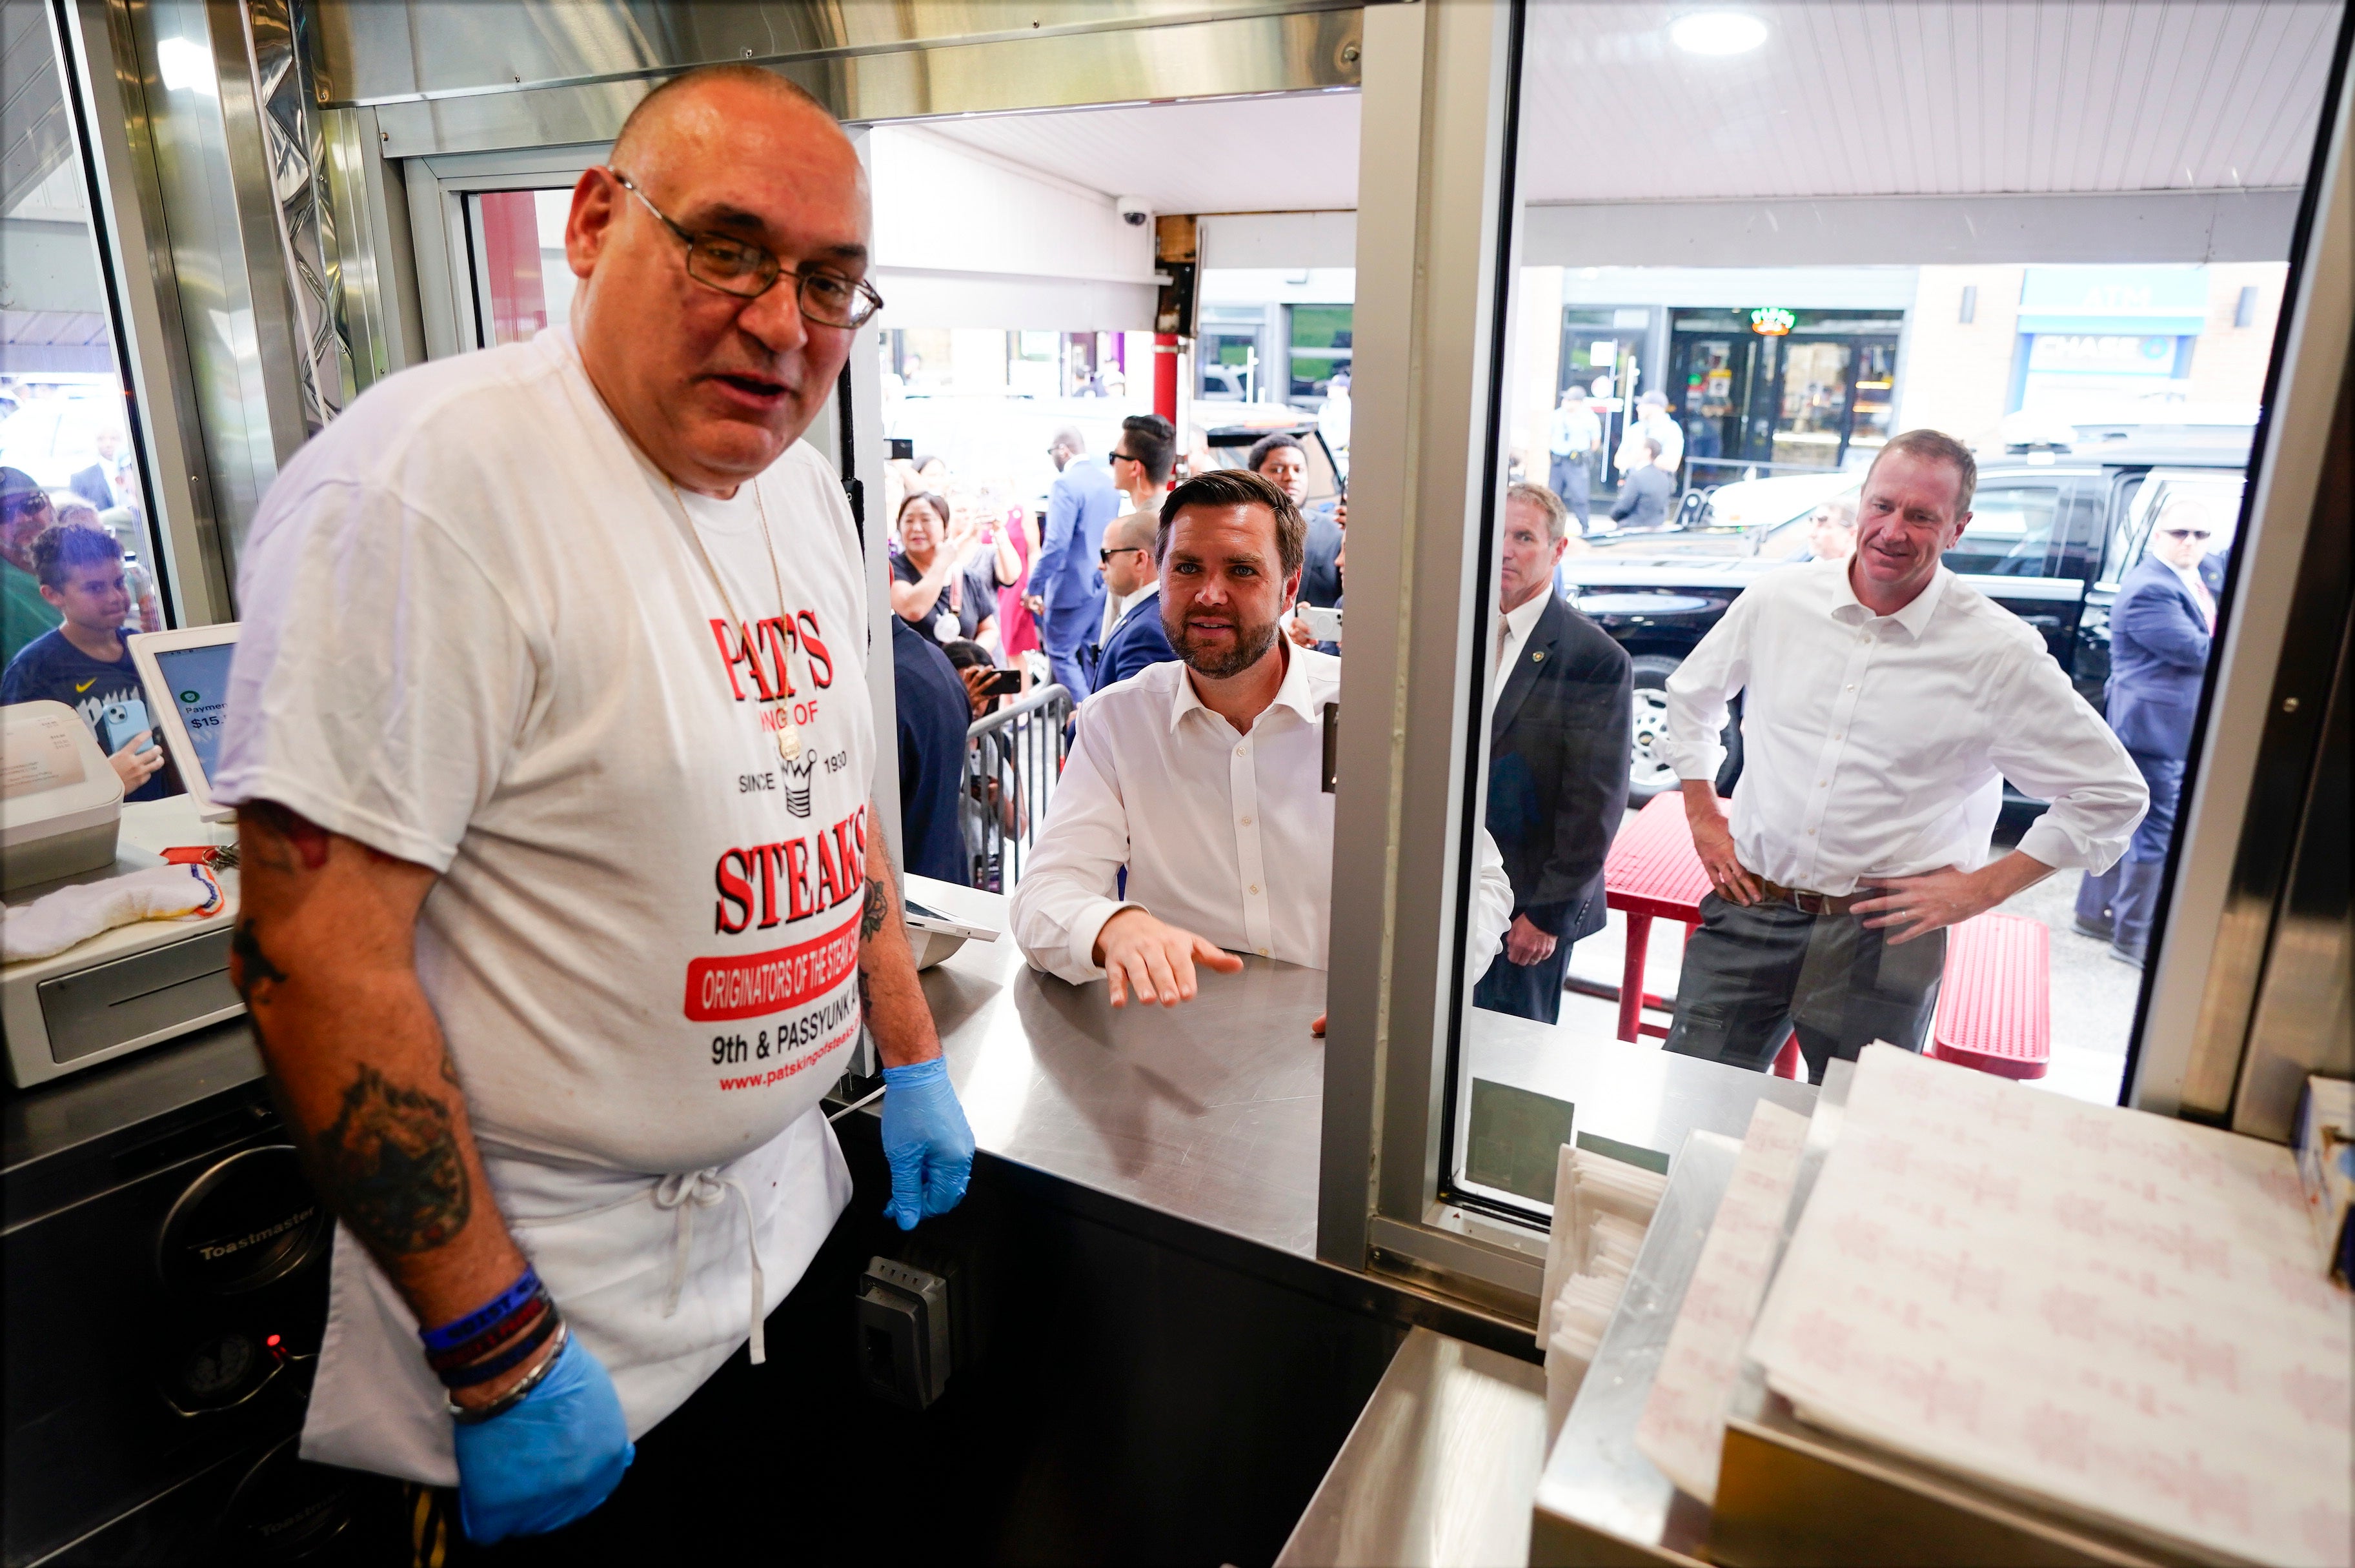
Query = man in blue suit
x=1066 y=595
x=1137 y=640
x=2160 y=631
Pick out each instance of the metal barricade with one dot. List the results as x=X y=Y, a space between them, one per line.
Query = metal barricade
x=1013 y=760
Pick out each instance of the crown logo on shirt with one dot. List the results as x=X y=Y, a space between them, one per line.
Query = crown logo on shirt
x=797 y=784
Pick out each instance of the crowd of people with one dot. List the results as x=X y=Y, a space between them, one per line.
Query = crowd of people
x=69 y=592
x=1192 y=826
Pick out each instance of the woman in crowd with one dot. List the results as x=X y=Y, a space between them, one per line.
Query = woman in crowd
x=1018 y=546
x=949 y=569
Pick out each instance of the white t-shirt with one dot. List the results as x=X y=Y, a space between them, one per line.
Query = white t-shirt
x=479 y=636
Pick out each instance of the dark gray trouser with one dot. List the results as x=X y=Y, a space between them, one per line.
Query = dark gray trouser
x=1748 y=972
x=1571 y=479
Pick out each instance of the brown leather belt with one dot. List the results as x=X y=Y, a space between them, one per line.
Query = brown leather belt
x=1811 y=903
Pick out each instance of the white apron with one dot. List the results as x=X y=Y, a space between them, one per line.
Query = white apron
x=657 y=1275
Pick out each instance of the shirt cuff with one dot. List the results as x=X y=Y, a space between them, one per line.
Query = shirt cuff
x=1705 y=765
x=2048 y=841
x=1077 y=961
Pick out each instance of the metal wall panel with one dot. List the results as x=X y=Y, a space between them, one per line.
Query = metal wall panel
x=1237 y=55
x=388 y=51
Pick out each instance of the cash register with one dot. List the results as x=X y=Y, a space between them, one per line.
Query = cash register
x=63 y=821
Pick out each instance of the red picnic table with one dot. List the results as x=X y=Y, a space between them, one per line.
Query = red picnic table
x=1994 y=1002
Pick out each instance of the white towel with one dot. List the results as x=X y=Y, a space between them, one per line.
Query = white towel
x=54 y=922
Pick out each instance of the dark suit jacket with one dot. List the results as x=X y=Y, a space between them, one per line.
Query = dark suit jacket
x=2159 y=655
x=1137 y=642
x=1320 y=575
x=1644 y=497
x=1558 y=748
x=90 y=485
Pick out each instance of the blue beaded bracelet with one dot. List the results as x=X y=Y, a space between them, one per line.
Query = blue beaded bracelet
x=450 y=1336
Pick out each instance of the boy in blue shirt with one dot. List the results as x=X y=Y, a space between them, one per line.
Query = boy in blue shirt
x=83 y=662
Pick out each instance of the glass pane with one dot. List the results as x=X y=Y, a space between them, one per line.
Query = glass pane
x=1684 y=441
x=522 y=281
x=2010 y=531
x=1320 y=352
x=67 y=419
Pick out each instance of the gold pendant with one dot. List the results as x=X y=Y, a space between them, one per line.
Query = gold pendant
x=789 y=737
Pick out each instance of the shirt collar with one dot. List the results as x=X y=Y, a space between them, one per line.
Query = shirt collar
x=1523 y=620
x=1293 y=693
x=2190 y=579
x=1915 y=617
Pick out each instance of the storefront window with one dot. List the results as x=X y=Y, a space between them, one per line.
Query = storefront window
x=1320 y=351
x=67 y=416
x=522 y=281
x=1693 y=447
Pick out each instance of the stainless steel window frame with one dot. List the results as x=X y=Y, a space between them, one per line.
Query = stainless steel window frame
x=1436 y=241
x=437 y=189
x=119 y=139
x=2198 y=1051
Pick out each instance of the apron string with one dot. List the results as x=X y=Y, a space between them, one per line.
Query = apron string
x=686 y=1191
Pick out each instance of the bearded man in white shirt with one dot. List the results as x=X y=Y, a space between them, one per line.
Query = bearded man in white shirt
x=1202 y=779
x=1885 y=702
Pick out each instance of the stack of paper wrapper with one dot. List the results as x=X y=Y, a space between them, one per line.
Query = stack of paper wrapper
x=2112 y=1313
x=1602 y=1208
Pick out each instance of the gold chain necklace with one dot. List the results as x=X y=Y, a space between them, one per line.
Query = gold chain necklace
x=789 y=734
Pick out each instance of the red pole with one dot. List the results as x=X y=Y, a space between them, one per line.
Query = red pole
x=1164 y=375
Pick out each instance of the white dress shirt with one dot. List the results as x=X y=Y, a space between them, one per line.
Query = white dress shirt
x=2197 y=586
x=1518 y=625
x=1876 y=745
x=1229 y=836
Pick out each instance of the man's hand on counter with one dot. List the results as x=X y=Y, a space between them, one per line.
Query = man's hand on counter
x=1142 y=954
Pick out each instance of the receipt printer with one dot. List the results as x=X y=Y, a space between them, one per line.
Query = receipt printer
x=63 y=821
x=61 y=800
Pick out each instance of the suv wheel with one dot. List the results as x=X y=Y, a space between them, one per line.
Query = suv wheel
x=1648 y=770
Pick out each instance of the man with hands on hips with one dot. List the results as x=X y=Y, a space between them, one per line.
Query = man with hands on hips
x=548 y=988
x=1885 y=702
x=1202 y=779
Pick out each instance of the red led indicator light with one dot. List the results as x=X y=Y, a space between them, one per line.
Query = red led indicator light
x=272 y=1341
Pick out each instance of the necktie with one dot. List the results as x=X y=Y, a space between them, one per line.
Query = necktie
x=1504 y=630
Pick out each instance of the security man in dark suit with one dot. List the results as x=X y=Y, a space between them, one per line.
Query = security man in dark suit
x=1136 y=640
x=2160 y=627
x=1282 y=458
x=1558 y=749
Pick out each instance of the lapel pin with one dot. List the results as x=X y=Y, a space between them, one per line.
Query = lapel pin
x=1537 y=657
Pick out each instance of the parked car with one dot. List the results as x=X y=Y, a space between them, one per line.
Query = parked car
x=2050 y=536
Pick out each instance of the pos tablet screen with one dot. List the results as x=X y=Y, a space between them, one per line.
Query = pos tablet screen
x=187 y=676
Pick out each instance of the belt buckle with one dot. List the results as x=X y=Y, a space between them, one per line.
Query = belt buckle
x=1808 y=904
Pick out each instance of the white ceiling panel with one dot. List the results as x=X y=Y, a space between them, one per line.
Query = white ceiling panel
x=1911 y=98
x=1846 y=97
x=1291 y=153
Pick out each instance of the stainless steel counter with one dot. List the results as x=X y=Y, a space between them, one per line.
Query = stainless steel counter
x=1210 y=1111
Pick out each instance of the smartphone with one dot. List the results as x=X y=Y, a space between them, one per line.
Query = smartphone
x=1324 y=625
x=124 y=720
x=1002 y=683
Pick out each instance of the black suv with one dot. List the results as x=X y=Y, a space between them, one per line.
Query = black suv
x=2051 y=535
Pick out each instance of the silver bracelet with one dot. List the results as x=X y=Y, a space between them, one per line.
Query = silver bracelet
x=516 y=1395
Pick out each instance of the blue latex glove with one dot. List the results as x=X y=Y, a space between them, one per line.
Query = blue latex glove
x=553 y=1458
x=926 y=1140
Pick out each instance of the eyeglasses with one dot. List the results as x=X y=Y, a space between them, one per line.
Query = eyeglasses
x=748 y=272
x=24 y=505
x=2185 y=533
x=1103 y=557
x=1124 y=458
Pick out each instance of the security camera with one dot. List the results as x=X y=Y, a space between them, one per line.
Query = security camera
x=1134 y=210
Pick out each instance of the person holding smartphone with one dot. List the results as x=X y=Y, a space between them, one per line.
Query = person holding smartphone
x=83 y=662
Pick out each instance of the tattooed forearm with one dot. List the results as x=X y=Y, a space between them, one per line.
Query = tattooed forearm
x=393 y=1159
x=249 y=968
x=878 y=910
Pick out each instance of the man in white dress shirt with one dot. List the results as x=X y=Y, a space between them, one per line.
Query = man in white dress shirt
x=1886 y=701
x=1203 y=778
